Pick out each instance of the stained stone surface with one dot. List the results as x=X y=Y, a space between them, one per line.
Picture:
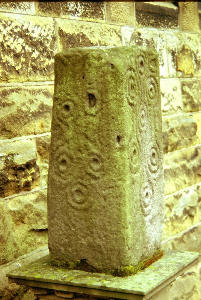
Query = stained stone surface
x=156 y=276
x=105 y=182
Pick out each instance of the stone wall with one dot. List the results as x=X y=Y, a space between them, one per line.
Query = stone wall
x=31 y=34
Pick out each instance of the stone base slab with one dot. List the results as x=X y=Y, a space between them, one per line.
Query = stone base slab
x=158 y=281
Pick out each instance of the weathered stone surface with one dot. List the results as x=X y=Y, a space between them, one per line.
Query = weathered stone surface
x=197 y=117
x=182 y=210
x=64 y=295
x=24 y=221
x=27 y=48
x=85 y=34
x=141 y=285
x=42 y=144
x=151 y=38
x=45 y=8
x=28 y=215
x=111 y=173
x=182 y=168
x=191 y=95
x=120 y=12
x=182 y=287
x=188 y=240
x=18 y=167
x=17 y=7
x=75 y=9
x=188 y=16
x=179 y=131
x=90 y=10
x=19 y=262
x=183 y=55
x=179 y=54
x=6 y=237
x=25 y=110
x=171 y=100
x=157 y=14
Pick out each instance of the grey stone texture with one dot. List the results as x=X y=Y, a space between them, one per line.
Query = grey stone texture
x=156 y=282
x=105 y=183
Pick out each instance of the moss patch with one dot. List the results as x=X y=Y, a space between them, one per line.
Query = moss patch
x=122 y=271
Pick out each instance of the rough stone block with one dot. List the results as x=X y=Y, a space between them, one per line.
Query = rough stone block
x=157 y=14
x=182 y=168
x=18 y=167
x=120 y=12
x=27 y=48
x=6 y=238
x=25 y=110
x=64 y=295
x=182 y=210
x=28 y=221
x=152 y=38
x=105 y=174
x=85 y=34
x=197 y=117
x=179 y=131
x=17 y=7
x=185 y=286
x=24 y=223
x=171 y=99
x=90 y=10
x=42 y=144
x=188 y=16
x=188 y=240
x=191 y=95
x=183 y=54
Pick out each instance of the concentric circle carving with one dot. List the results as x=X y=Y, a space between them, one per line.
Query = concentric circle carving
x=141 y=64
x=142 y=117
x=146 y=197
x=153 y=64
x=95 y=164
x=133 y=88
x=64 y=111
x=62 y=163
x=154 y=159
x=79 y=196
x=152 y=87
x=134 y=156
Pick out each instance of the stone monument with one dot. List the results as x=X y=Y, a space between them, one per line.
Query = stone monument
x=105 y=185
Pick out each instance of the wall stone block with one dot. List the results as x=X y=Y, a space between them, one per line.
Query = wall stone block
x=43 y=144
x=18 y=167
x=25 y=110
x=72 y=9
x=182 y=168
x=17 y=7
x=184 y=57
x=27 y=48
x=171 y=101
x=151 y=14
x=120 y=12
x=89 y=10
x=152 y=38
x=25 y=218
x=6 y=238
x=85 y=34
x=191 y=95
x=179 y=131
x=188 y=240
x=182 y=210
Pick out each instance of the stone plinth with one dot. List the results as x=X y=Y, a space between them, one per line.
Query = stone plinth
x=172 y=277
x=105 y=187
